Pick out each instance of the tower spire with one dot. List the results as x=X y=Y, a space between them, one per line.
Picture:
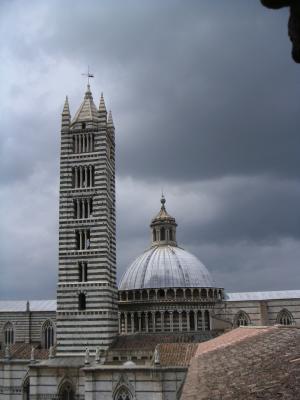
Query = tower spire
x=66 y=116
x=110 y=122
x=102 y=107
x=102 y=112
x=66 y=109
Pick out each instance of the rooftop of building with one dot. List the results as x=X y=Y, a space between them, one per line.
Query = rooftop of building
x=87 y=110
x=166 y=267
x=22 y=351
x=50 y=305
x=265 y=295
x=148 y=342
x=246 y=363
x=21 y=305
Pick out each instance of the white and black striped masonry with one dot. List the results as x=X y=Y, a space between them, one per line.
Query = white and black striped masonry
x=87 y=292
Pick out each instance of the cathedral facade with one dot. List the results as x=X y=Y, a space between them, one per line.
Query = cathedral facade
x=97 y=341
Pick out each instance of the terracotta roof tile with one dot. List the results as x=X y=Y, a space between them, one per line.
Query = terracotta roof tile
x=150 y=341
x=246 y=364
x=22 y=351
x=176 y=354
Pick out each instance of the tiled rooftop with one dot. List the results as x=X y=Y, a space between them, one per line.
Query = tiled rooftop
x=247 y=364
x=22 y=351
x=148 y=342
x=176 y=354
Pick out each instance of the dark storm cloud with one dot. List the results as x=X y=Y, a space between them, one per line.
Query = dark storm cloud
x=205 y=102
x=238 y=227
x=258 y=210
x=199 y=82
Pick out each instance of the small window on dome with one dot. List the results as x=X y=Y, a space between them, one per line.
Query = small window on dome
x=162 y=234
x=83 y=125
x=154 y=235
x=171 y=234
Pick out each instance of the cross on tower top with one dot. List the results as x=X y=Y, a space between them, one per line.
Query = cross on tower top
x=88 y=75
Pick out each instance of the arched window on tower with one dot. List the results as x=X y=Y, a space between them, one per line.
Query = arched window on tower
x=9 y=334
x=242 y=319
x=66 y=392
x=162 y=234
x=81 y=301
x=171 y=235
x=48 y=334
x=123 y=394
x=284 y=317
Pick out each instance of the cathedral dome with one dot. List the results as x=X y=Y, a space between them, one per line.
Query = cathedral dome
x=165 y=267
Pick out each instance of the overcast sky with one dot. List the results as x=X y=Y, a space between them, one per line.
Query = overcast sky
x=205 y=99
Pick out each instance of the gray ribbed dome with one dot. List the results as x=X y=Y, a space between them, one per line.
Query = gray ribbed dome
x=164 y=267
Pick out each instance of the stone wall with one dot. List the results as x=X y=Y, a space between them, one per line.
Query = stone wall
x=27 y=325
x=264 y=312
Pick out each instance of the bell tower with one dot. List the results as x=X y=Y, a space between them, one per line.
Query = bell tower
x=86 y=292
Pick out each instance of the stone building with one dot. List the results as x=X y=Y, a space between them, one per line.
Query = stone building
x=95 y=342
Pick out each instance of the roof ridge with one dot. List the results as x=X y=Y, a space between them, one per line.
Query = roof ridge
x=237 y=335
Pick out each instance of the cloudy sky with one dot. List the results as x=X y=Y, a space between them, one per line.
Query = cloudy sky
x=205 y=99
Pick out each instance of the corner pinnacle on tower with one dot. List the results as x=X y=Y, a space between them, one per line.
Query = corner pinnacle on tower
x=110 y=122
x=66 y=116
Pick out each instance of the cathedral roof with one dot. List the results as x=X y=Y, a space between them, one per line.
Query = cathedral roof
x=87 y=110
x=21 y=305
x=272 y=295
x=164 y=267
x=246 y=363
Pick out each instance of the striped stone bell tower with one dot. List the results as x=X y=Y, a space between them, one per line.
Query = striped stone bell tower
x=86 y=292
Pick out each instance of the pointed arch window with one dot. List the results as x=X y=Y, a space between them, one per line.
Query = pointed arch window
x=9 y=334
x=123 y=394
x=48 y=334
x=242 y=319
x=26 y=389
x=66 y=392
x=284 y=317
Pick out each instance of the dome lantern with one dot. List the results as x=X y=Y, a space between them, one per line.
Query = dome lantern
x=163 y=227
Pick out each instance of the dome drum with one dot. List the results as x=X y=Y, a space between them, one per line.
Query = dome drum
x=171 y=295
